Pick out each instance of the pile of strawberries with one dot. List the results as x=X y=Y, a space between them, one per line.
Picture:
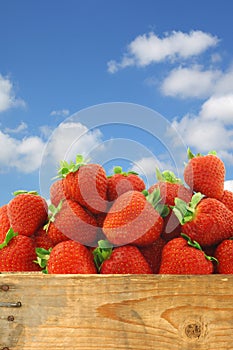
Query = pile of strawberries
x=114 y=225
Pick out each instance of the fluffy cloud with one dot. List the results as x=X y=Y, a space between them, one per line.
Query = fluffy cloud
x=190 y=82
x=60 y=113
x=69 y=139
x=22 y=155
x=218 y=108
x=7 y=95
x=27 y=155
x=146 y=49
x=20 y=128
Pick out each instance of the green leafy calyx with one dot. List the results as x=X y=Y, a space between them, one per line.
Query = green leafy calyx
x=53 y=212
x=72 y=167
x=167 y=176
x=102 y=253
x=42 y=258
x=154 y=198
x=9 y=236
x=196 y=245
x=184 y=211
x=118 y=170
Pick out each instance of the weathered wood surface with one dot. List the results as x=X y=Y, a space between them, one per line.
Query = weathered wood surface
x=116 y=312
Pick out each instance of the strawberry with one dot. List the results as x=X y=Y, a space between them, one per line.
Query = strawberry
x=67 y=257
x=134 y=219
x=153 y=253
x=70 y=221
x=121 y=260
x=224 y=255
x=121 y=182
x=57 y=192
x=42 y=239
x=27 y=212
x=4 y=222
x=85 y=184
x=227 y=199
x=17 y=253
x=205 y=220
x=170 y=188
x=205 y=174
x=182 y=256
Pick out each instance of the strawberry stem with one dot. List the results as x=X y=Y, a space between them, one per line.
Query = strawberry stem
x=167 y=176
x=196 y=245
x=42 y=258
x=154 y=198
x=9 y=235
x=72 y=167
x=102 y=253
x=184 y=211
x=16 y=193
x=54 y=211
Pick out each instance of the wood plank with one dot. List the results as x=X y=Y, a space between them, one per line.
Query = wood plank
x=117 y=312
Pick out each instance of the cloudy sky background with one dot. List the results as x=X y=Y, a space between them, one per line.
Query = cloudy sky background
x=61 y=57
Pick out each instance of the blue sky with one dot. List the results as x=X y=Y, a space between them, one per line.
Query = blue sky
x=61 y=57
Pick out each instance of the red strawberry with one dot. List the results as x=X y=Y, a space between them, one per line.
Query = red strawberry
x=71 y=221
x=17 y=253
x=133 y=219
x=85 y=184
x=205 y=174
x=42 y=239
x=227 y=199
x=67 y=257
x=153 y=253
x=121 y=182
x=181 y=256
x=27 y=212
x=4 y=222
x=205 y=220
x=57 y=192
x=170 y=188
x=125 y=260
x=224 y=255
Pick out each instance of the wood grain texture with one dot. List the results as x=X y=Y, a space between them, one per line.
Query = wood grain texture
x=135 y=312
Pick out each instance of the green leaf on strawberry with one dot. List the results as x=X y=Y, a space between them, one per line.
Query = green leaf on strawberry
x=102 y=252
x=42 y=258
x=185 y=212
x=10 y=234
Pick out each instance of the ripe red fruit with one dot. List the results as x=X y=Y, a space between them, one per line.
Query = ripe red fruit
x=42 y=239
x=27 y=212
x=181 y=256
x=205 y=220
x=227 y=199
x=224 y=255
x=57 y=192
x=205 y=174
x=17 y=253
x=153 y=254
x=125 y=260
x=71 y=221
x=170 y=188
x=71 y=257
x=85 y=184
x=4 y=222
x=133 y=219
x=121 y=182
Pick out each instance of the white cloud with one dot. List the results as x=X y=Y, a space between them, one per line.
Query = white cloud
x=218 y=108
x=70 y=139
x=190 y=82
x=21 y=127
x=150 y=48
x=146 y=166
x=7 y=95
x=60 y=113
x=228 y=185
x=23 y=155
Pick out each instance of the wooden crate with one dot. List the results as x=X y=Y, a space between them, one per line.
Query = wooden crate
x=90 y=312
